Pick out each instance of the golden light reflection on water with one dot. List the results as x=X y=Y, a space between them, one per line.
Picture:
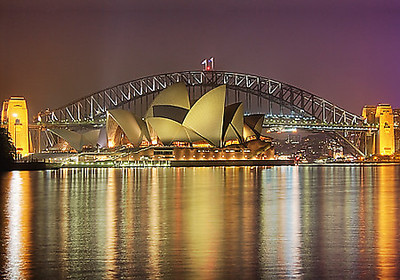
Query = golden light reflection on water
x=201 y=223
x=203 y=228
x=64 y=223
x=280 y=225
x=18 y=229
x=387 y=224
x=154 y=224
x=111 y=225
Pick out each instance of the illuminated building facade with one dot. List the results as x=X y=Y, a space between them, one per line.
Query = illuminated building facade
x=383 y=142
x=14 y=116
x=385 y=139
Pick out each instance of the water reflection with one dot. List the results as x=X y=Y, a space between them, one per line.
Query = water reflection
x=387 y=224
x=281 y=223
x=17 y=226
x=207 y=223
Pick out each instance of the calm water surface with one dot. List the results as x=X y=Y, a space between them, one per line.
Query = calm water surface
x=201 y=223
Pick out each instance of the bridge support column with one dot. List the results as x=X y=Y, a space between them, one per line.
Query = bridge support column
x=15 y=116
x=385 y=140
x=382 y=142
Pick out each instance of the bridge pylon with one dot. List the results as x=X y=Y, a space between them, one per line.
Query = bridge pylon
x=382 y=141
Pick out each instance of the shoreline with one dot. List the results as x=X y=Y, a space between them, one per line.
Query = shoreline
x=31 y=166
x=149 y=163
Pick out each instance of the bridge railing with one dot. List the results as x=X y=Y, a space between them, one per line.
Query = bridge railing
x=94 y=106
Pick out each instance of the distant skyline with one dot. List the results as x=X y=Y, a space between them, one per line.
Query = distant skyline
x=345 y=51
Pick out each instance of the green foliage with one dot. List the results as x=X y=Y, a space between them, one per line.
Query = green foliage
x=7 y=150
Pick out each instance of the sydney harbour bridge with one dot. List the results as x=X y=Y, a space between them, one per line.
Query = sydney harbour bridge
x=284 y=105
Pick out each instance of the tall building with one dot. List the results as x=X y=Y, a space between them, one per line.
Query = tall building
x=14 y=116
x=385 y=139
x=382 y=142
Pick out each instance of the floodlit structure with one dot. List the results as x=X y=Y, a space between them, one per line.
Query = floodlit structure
x=124 y=127
x=14 y=115
x=171 y=119
x=384 y=117
x=78 y=140
x=167 y=113
x=382 y=142
x=253 y=126
x=233 y=123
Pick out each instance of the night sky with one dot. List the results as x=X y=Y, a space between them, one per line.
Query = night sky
x=345 y=51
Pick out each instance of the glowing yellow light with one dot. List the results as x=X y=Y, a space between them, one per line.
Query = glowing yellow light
x=385 y=141
x=15 y=110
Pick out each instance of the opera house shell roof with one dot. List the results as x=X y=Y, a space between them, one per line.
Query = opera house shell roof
x=207 y=120
x=171 y=118
x=133 y=128
x=78 y=140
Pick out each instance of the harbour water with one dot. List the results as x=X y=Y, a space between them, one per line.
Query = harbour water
x=308 y=222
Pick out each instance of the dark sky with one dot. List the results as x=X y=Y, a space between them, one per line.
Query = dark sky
x=53 y=52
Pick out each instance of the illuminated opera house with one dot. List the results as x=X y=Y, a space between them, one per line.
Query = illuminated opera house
x=173 y=128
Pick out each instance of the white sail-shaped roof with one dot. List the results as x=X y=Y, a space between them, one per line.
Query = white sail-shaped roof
x=73 y=138
x=78 y=140
x=207 y=114
x=254 y=123
x=233 y=122
x=90 y=138
x=132 y=126
x=168 y=130
x=175 y=95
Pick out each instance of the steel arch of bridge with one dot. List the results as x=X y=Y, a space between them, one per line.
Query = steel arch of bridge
x=93 y=107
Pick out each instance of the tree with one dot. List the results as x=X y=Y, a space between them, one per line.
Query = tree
x=7 y=150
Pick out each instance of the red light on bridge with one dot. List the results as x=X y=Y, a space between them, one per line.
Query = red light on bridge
x=208 y=64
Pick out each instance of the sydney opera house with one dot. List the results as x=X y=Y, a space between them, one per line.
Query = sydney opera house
x=175 y=129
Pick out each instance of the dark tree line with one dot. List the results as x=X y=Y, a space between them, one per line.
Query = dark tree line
x=7 y=150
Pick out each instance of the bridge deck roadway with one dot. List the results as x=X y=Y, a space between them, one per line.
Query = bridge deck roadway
x=317 y=126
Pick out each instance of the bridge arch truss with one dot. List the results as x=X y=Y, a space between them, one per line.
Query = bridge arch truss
x=259 y=94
